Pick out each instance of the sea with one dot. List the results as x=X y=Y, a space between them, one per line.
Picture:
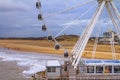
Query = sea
x=16 y=65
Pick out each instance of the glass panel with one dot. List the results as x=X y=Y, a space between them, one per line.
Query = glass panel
x=108 y=69
x=90 y=69
x=53 y=69
x=48 y=69
x=99 y=69
x=116 y=69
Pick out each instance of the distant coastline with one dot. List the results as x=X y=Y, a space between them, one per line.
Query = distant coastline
x=42 y=45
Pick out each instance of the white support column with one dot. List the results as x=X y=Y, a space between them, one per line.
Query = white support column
x=112 y=68
x=77 y=45
x=94 y=69
x=104 y=69
x=91 y=27
x=112 y=18
x=116 y=13
x=81 y=40
x=117 y=29
x=116 y=10
x=96 y=42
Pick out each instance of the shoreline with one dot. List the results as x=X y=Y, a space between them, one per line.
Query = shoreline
x=29 y=48
x=22 y=64
x=10 y=71
x=47 y=47
x=86 y=54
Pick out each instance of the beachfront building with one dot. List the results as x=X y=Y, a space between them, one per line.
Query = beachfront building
x=87 y=69
x=110 y=36
x=53 y=70
x=95 y=66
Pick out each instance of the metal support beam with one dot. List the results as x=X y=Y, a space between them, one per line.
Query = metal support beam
x=96 y=42
x=117 y=28
x=113 y=20
x=115 y=10
x=88 y=33
x=80 y=40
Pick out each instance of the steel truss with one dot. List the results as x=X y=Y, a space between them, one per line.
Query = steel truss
x=83 y=39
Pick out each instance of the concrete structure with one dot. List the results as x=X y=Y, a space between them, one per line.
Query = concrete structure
x=88 y=69
x=110 y=36
x=96 y=66
x=53 y=69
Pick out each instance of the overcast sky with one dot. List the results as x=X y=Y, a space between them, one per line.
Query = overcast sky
x=18 y=18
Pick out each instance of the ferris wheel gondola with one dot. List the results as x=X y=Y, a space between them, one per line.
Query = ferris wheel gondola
x=57 y=46
x=40 y=17
x=38 y=4
x=66 y=54
x=44 y=28
x=49 y=37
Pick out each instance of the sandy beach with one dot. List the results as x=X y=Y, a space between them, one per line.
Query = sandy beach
x=10 y=71
x=47 y=47
x=15 y=65
x=19 y=59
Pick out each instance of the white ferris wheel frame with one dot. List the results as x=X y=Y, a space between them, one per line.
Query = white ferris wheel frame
x=82 y=41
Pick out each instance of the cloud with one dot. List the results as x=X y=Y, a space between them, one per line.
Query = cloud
x=12 y=5
x=77 y=22
x=19 y=17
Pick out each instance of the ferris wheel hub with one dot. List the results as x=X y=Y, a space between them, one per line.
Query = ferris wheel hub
x=103 y=0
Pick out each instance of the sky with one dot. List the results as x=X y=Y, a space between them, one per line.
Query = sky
x=18 y=18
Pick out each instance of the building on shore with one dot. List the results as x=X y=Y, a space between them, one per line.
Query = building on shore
x=110 y=36
x=88 y=69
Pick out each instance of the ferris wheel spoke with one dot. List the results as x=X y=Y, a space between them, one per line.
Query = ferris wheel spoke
x=113 y=20
x=79 y=44
x=115 y=10
x=117 y=29
x=76 y=46
x=70 y=8
x=96 y=42
x=66 y=27
x=113 y=50
x=88 y=33
x=44 y=27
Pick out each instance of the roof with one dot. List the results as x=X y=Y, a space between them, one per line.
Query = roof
x=53 y=63
x=100 y=62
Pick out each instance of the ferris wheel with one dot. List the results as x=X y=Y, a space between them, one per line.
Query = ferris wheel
x=80 y=45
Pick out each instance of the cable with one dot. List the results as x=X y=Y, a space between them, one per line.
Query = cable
x=68 y=9
x=115 y=10
x=38 y=6
x=88 y=33
x=75 y=20
x=96 y=41
x=80 y=40
x=113 y=20
x=62 y=30
x=111 y=36
x=73 y=50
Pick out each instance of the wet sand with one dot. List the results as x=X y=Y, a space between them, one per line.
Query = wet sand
x=15 y=65
x=10 y=71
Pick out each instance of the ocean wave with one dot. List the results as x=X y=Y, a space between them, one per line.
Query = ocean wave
x=34 y=62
